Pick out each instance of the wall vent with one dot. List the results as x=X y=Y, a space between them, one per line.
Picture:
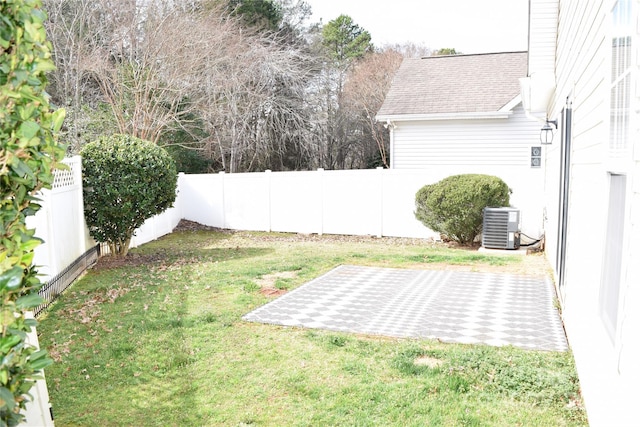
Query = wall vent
x=501 y=228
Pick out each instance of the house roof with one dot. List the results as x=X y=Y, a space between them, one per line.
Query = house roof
x=456 y=84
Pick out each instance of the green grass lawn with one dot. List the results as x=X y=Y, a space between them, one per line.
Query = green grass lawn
x=159 y=340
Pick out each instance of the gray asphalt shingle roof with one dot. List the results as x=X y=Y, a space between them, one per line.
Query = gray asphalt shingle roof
x=455 y=84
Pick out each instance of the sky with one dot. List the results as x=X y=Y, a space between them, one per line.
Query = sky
x=469 y=26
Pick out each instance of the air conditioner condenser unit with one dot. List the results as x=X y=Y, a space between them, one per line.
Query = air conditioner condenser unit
x=501 y=228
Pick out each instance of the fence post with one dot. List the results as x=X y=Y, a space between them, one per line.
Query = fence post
x=76 y=165
x=179 y=200
x=322 y=198
x=381 y=204
x=224 y=207
x=38 y=410
x=49 y=252
x=268 y=178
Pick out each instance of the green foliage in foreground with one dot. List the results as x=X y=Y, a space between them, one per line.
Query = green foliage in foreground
x=454 y=206
x=161 y=342
x=28 y=154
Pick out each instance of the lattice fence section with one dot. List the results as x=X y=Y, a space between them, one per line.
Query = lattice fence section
x=69 y=177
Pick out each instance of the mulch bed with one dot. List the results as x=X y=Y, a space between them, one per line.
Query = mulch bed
x=186 y=226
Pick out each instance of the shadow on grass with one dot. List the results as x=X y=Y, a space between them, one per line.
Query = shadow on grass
x=125 y=307
x=158 y=257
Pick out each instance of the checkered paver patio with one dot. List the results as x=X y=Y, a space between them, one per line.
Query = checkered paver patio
x=452 y=306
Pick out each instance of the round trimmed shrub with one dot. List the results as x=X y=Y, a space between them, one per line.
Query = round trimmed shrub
x=454 y=205
x=126 y=180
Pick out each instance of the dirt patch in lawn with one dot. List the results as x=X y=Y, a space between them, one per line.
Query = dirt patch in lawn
x=431 y=362
x=268 y=282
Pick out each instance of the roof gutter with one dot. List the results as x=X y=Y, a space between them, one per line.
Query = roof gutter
x=443 y=116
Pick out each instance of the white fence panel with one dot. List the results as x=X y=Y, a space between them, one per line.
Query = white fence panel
x=60 y=222
x=157 y=226
x=296 y=202
x=246 y=201
x=202 y=198
x=399 y=189
x=352 y=202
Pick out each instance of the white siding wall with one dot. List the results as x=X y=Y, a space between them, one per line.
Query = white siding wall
x=538 y=87
x=608 y=368
x=543 y=16
x=582 y=79
x=630 y=323
x=582 y=73
x=495 y=142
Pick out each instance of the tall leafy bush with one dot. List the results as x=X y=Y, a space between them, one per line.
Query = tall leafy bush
x=454 y=205
x=28 y=155
x=126 y=180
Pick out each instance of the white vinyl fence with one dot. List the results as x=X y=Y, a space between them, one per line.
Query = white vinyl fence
x=376 y=202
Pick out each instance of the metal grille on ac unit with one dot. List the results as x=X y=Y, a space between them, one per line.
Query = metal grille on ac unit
x=501 y=228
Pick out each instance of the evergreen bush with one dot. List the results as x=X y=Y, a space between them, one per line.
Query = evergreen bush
x=454 y=205
x=126 y=180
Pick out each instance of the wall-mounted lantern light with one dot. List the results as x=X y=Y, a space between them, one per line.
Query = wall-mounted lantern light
x=546 y=133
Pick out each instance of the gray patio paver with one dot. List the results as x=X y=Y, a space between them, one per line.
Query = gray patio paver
x=452 y=306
